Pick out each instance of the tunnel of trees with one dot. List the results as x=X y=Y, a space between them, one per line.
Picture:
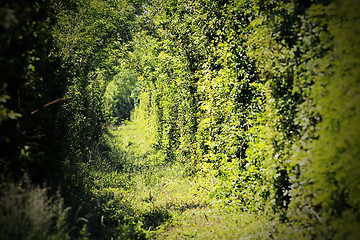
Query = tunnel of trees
x=259 y=96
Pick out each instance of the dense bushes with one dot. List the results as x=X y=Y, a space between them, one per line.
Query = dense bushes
x=261 y=95
x=56 y=60
x=264 y=100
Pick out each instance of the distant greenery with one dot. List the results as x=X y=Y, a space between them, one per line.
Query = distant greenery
x=120 y=96
x=152 y=117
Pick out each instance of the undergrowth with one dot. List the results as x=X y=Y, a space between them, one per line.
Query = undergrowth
x=26 y=212
x=134 y=189
x=141 y=196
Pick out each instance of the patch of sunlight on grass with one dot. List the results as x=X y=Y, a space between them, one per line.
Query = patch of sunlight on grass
x=213 y=223
x=134 y=137
x=163 y=199
x=165 y=187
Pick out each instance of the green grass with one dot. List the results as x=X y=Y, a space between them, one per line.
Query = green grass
x=143 y=197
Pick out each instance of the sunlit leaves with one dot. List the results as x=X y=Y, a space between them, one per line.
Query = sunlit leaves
x=266 y=101
x=4 y=112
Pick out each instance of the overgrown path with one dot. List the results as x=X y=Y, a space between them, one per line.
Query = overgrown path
x=154 y=199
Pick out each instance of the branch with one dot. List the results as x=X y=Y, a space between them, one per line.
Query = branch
x=48 y=104
x=36 y=137
x=316 y=215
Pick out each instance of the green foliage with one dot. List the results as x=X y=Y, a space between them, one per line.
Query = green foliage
x=335 y=150
x=30 y=86
x=27 y=213
x=6 y=113
x=134 y=194
x=56 y=59
x=120 y=96
x=255 y=101
x=263 y=105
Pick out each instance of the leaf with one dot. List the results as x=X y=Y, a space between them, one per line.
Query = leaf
x=4 y=98
x=13 y=115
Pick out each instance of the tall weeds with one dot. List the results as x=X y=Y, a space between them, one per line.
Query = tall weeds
x=26 y=212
